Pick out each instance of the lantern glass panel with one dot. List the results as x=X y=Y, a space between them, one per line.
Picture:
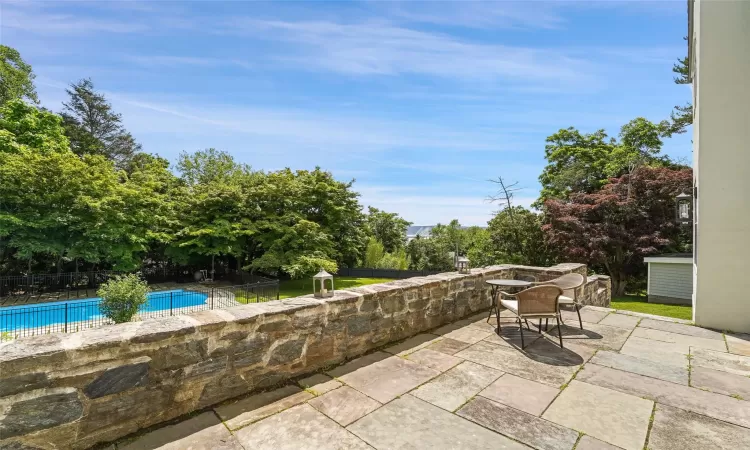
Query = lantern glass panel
x=684 y=210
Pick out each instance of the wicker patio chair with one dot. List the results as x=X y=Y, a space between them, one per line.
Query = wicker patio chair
x=538 y=302
x=569 y=283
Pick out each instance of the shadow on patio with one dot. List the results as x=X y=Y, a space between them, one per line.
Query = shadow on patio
x=463 y=386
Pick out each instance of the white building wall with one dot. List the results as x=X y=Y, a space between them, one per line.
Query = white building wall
x=721 y=80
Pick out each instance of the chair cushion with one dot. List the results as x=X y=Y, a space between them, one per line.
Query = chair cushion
x=510 y=304
x=563 y=300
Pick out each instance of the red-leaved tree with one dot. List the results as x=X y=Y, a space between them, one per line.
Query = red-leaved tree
x=610 y=229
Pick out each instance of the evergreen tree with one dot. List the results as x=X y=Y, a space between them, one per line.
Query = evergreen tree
x=93 y=128
x=682 y=116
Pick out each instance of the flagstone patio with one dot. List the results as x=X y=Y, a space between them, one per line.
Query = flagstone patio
x=624 y=381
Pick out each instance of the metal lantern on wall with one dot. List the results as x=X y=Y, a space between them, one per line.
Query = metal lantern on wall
x=463 y=264
x=323 y=284
x=684 y=208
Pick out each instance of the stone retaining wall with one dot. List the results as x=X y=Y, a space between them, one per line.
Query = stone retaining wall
x=77 y=390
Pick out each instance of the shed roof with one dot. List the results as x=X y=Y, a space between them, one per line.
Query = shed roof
x=674 y=258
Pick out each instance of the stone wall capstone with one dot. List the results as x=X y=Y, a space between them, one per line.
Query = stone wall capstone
x=73 y=391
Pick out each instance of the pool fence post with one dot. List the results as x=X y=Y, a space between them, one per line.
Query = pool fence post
x=212 y=298
x=66 y=317
x=170 y=302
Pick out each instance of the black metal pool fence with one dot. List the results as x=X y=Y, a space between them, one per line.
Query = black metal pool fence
x=77 y=315
x=383 y=273
x=81 y=282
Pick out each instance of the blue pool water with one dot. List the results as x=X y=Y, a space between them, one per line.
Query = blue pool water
x=43 y=315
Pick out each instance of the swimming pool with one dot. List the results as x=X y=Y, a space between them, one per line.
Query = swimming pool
x=56 y=314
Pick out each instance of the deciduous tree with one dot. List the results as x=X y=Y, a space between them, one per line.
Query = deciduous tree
x=214 y=220
x=428 y=254
x=481 y=250
x=67 y=207
x=516 y=237
x=16 y=77
x=583 y=163
x=25 y=126
x=576 y=162
x=614 y=229
x=279 y=200
x=302 y=249
x=387 y=228
x=374 y=253
x=451 y=238
x=377 y=258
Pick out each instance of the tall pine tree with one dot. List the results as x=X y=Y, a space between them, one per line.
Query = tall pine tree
x=682 y=116
x=93 y=128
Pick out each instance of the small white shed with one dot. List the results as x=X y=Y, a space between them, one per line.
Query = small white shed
x=670 y=278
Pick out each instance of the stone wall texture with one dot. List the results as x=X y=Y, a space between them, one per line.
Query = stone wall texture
x=77 y=390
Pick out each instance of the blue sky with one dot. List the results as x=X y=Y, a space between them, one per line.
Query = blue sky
x=420 y=102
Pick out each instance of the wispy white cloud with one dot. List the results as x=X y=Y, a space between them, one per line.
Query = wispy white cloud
x=82 y=18
x=388 y=44
x=176 y=61
x=170 y=60
x=40 y=22
x=49 y=82
x=132 y=5
x=336 y=131
x=376 y=48
x=478 y=14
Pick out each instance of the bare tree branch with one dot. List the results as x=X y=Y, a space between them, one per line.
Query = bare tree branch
x=505 y=195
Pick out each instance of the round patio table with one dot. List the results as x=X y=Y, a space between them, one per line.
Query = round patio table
x=495 y=285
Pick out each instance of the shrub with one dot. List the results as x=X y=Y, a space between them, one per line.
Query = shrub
x=374 y=253
x=397 y=260
x=377 y=258
x=122 y=296
x=307 y=265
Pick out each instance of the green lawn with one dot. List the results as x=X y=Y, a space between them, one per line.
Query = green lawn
x=641 y=305
x=295 y=288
